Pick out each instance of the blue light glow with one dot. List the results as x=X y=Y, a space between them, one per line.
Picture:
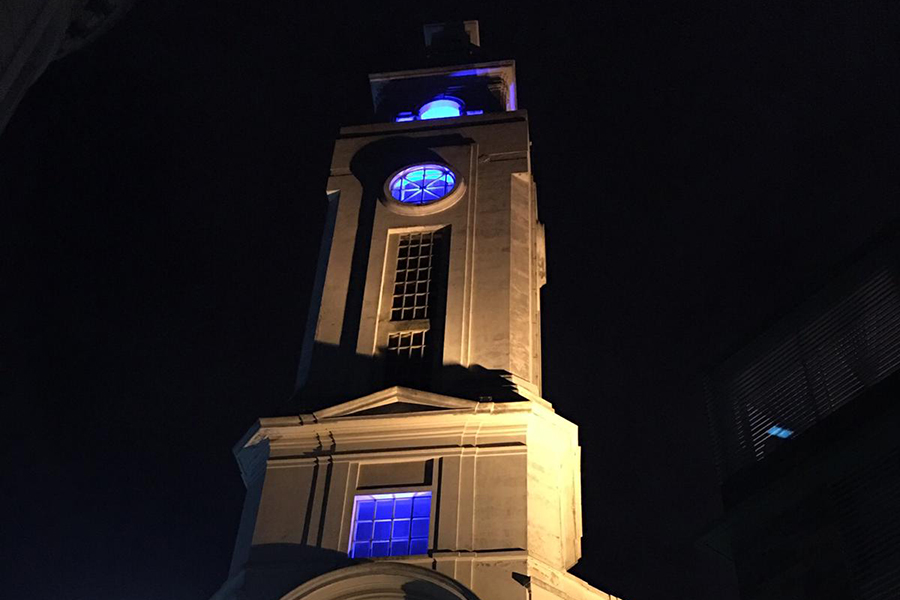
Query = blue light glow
x=467 y=72
x=442 y=108
x=405 y=116
x=781 y=432
x=474 y=112
x=422 y=184
x=390 y=524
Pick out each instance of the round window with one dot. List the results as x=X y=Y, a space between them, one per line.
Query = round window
x=422 y=184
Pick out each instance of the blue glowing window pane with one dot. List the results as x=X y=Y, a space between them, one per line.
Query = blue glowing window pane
x=441 y=109
x=381 y=549
x=419 y=546
x=422 y=184
x=384 y=509
x=363 y=530
x=422 y=507
x=402 y=508
x=390 y=524
x=382 y=530
x=401 y=529
x=365 y=510
x=399 y=548
x=781 y=432
x=419 y=528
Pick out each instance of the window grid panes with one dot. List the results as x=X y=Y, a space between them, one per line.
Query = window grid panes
x=412 y=282
x=422 y=184
x=390 y=524
x=408 y=344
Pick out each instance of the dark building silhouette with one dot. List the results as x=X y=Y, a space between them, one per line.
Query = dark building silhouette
x=806 y=422
x=34 y=33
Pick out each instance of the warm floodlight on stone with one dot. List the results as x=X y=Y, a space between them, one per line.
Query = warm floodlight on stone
x=390 y=524
x=426 y=465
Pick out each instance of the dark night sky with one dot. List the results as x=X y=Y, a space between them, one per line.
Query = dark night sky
x=701 y=166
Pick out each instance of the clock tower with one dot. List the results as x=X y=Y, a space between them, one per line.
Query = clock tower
x=427 y=463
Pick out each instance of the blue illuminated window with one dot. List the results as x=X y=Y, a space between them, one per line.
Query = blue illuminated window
x=390 y=524
x=422 y=184
x=781 y=432
x=441 y=108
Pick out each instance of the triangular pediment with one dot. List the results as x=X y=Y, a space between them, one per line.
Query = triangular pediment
x=394 y=400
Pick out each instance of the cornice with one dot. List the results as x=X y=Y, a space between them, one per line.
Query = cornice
x=563 y=584
x=424 y=421
x=487 y=67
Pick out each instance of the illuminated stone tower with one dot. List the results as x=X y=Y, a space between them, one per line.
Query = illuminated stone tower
x=432 y=467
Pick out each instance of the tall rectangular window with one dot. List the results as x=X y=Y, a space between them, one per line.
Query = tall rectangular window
x=390 y=524
x=412 y=317
x=413 y=279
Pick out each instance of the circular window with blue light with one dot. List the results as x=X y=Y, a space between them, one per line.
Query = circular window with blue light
x=423 y=184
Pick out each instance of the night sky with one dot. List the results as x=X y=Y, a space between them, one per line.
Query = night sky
x=702 y=167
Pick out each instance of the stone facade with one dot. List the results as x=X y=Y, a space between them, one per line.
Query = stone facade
x=499 y=468
x=495 y=259
x=505 y=478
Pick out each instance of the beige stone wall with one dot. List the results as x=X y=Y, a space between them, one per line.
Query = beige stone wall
x=492 y=304
x=504 y=479
x=497 y=472
x=504 y=476
x=480 y=490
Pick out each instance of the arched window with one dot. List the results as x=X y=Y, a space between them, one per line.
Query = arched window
x=441 y=108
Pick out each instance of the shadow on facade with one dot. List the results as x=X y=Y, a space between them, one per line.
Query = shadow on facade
x=361 y=375
x=275 y=569
x=376 y=161
x=319 y=382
